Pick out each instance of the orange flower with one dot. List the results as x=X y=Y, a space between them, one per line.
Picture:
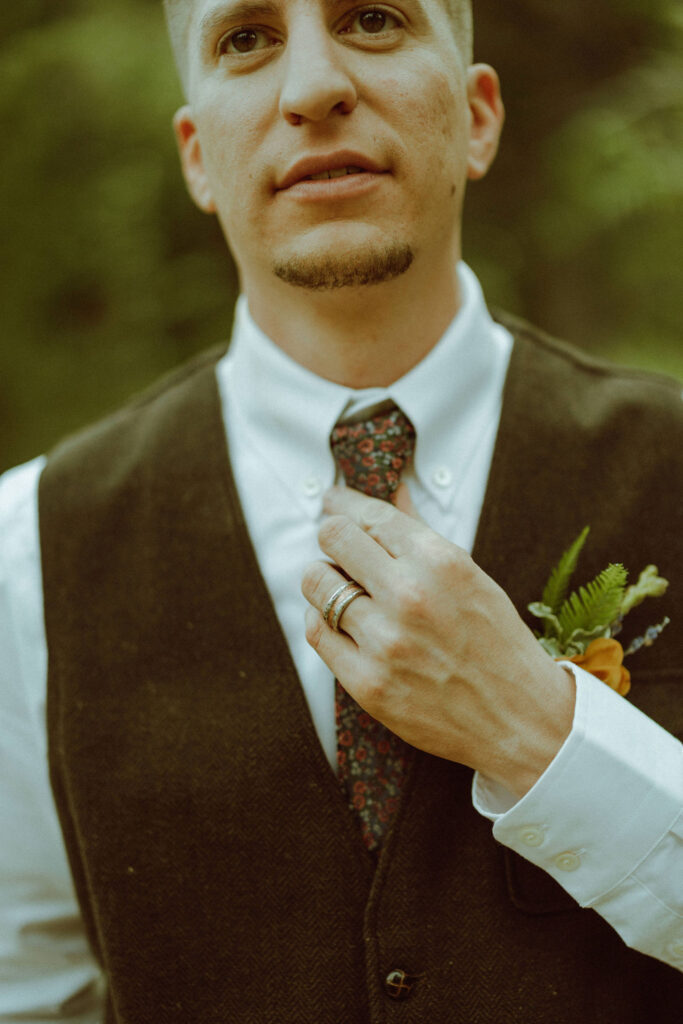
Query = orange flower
x=603 y=658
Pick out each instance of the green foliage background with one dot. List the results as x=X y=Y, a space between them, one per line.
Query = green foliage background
x=110 y=276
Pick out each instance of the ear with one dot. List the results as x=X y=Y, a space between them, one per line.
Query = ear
x=487 y=116
x=191 y=160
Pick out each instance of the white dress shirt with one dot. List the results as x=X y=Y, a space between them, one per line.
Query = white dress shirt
x=605 y=819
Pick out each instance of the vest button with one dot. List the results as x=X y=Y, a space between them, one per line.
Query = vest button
x=399 y=984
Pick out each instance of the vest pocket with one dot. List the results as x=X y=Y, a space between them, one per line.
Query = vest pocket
x=533 y=890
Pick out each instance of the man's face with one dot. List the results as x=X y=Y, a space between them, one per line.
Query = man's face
x=333 y=140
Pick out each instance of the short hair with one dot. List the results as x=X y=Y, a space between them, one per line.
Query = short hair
x=178 y=17
x=462 y=20
x=178 y=14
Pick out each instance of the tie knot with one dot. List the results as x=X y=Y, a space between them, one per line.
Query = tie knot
x=372 y=454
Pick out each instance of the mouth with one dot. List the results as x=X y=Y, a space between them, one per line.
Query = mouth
x=324 y=167
x=338 y=172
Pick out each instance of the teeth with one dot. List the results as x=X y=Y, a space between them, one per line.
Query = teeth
x=338 y=173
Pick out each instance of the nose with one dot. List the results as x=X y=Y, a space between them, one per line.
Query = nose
x=316 y=81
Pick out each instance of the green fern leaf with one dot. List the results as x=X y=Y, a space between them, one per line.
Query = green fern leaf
x=556 y=588
x=596 y=604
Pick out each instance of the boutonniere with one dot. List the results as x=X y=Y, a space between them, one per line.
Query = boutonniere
x=582 y=627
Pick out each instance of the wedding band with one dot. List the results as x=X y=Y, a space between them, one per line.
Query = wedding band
x=341 y=606
x=348 y=585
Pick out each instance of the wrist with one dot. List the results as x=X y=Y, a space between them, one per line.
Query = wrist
x=539 y=731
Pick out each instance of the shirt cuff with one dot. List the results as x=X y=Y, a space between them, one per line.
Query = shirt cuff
x=612 y=792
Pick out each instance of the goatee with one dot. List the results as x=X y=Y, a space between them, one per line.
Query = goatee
x=350 y=270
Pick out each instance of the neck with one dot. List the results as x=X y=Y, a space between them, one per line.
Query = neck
x=360 y=337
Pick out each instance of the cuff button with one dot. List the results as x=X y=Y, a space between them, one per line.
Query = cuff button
x=568 y=861
x=531 y=835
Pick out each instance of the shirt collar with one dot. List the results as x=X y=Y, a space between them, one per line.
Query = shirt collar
x=289 y=412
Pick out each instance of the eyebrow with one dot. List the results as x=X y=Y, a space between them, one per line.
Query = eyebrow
x=245 y=11
x=241 y=10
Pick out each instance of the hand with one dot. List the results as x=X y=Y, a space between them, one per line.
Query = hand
x=436 y=650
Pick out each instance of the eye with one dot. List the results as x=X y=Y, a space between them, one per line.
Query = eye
x=372 y=21
x=243 y=41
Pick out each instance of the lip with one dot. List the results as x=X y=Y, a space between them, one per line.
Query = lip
x=309 y=165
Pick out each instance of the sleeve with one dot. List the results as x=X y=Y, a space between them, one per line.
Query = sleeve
x=606 y=819
x=47 y=972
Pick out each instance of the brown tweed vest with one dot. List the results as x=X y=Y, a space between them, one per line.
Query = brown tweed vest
x=219 y=870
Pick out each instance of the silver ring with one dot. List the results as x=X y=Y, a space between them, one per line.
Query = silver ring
x=341 y=606
x=337 y=593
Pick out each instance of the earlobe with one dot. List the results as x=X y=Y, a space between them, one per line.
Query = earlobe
x=191 y=160
x=487 y=116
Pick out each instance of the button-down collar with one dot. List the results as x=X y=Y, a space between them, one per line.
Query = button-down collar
x=450 y=397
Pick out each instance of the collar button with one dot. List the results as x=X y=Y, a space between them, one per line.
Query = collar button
x=442 y=476
x=312 y=486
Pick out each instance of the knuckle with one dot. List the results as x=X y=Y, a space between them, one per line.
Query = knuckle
x=436 y=551
x=376 y=515
x=312 y=579
x=333 y=531
x=397 y=651
x=444 y=558
x=372 y=693
x=391 y=646
x=467 y=570
x=314 y=631
x=411 y=600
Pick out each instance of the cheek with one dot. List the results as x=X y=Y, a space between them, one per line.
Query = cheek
x=443 y=116
x=435 y=117
x=228 y=147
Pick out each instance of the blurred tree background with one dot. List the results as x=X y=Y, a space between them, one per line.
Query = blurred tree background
x=110 y=276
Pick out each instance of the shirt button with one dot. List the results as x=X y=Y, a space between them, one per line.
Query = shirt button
x=531 y=835
x=312 y=486
x=398 y=984
x=568 y=861
x=442 y=476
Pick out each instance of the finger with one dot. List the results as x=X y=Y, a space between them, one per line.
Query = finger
x=399 y=534
x=337 y=650
x=320 y=582
x=357 y=554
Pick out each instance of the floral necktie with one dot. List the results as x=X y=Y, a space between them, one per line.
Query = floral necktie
x=371 y=759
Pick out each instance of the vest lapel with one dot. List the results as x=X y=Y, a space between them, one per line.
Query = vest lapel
x=524 y=528
x=264 y=648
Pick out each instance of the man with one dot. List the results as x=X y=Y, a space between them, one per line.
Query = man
x=190 y=718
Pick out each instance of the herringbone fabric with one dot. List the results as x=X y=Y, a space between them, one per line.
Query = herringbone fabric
x=371 y=759
x=206 y=835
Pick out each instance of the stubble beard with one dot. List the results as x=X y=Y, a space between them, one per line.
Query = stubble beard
x=347 y=270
